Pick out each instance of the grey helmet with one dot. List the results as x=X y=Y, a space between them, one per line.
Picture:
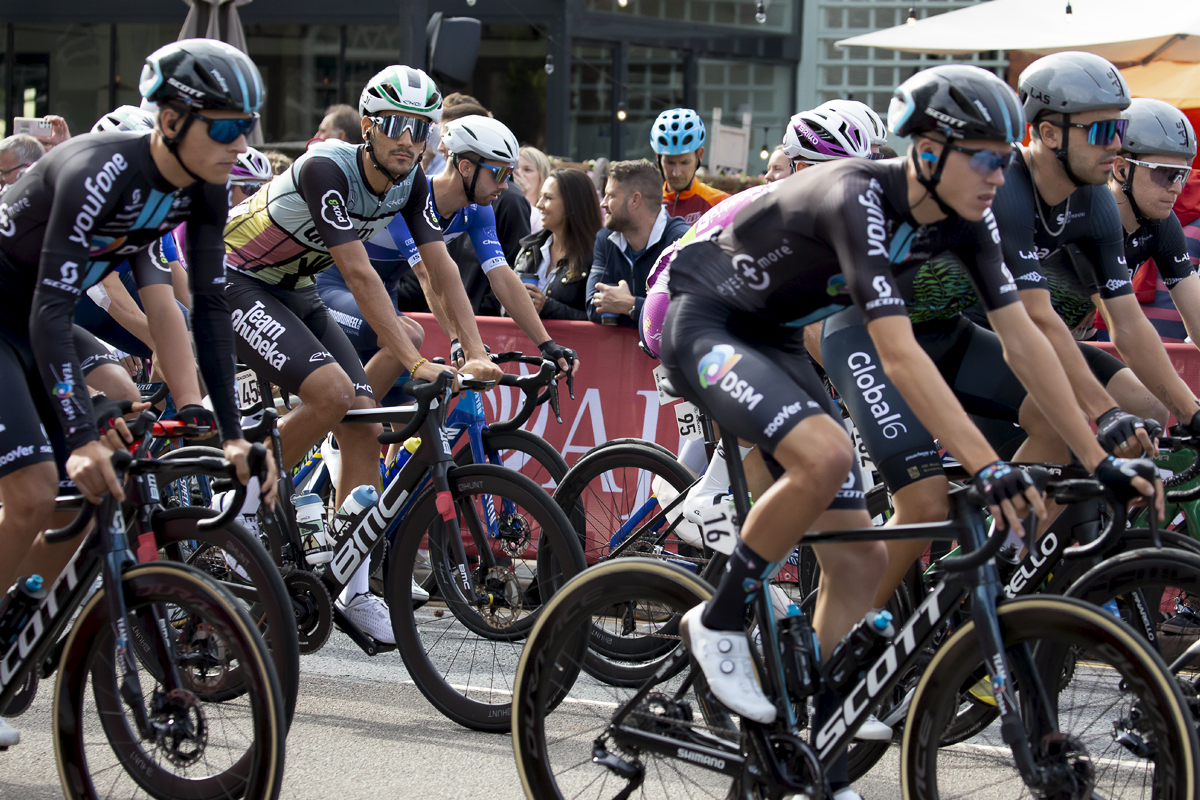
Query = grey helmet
x=1070 y=83
x=1158 y=128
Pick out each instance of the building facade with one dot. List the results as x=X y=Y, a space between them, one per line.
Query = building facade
x=558 y=72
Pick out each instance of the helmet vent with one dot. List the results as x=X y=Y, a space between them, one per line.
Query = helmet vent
x=414 y=79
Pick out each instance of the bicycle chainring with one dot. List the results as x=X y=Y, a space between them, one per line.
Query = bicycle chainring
x=313 y=608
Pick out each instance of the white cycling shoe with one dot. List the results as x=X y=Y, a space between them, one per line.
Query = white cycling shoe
x=873 y=730
x=844 y=793
x=724 y=657
x=370 y=614
x=332 y=457
x=419 y=595
x=687 y=531
x=8 y=735
x=698 y=502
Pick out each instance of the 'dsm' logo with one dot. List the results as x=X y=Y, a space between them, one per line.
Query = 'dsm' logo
x=716 y=364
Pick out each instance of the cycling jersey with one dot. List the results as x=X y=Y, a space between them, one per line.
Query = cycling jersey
x=396 y=243
x=825 y=238
x=1162 y=240
x=693 y=202
x=86 y=206
x=1088 y=215
x=282 y=234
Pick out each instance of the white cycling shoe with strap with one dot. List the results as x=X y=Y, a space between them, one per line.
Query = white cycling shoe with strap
x=724 y=657
x=370 y=614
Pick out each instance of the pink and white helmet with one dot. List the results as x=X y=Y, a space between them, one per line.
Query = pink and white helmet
x=251 y=166
x=861 y=112
x=825 y=135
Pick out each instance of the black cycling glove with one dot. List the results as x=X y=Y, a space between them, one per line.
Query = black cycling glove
x=107 y=411
x=553 y=351
x=998 y=482
x=1192 y=426
x=1118 y=474
x=1115 y=426
x=197 y=416
x=457 y=355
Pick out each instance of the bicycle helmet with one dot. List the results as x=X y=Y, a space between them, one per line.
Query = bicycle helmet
x=125 y=118
x=958 y=101
x=860 y=112
x=202 y=73
x=484 y=136
x=251 y=165
x=1157 y=128
x=401 y=88
x=823 y=134
x=677 y=131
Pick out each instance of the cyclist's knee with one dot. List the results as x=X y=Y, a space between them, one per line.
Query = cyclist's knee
x=859 y=564
x=28 y=496
x=817 y=451
x=329 y=391
x=114 y=381
x=416 y=333
x=923 y=501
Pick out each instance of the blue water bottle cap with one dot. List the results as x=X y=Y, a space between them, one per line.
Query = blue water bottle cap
x=305 y=498
x=882 y=619
x=34 y=583
x=793 y=610
x=366 y=495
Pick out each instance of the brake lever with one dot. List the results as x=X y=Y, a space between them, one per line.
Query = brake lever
x=553 y=388
x=570 y=386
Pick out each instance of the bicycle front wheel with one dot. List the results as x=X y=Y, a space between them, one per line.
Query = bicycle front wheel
x=197 y=750
x=1114 y=723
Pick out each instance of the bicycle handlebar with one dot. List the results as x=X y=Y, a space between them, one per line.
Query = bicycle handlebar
x=529 y=385
x=424 y=392
x=968 y=500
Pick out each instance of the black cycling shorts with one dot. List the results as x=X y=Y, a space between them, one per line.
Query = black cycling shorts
x=287 y=334
x=971 y=360
x=756 y=389
x=1103 y=364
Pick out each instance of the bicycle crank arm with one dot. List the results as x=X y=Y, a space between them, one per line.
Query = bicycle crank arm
x=368 y=645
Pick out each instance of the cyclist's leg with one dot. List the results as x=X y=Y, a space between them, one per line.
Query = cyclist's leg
x=102 y=370
x=383 y=369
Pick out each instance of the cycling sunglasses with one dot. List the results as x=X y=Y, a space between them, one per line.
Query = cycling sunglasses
x=224 y=131
x=1101 y=132
x=1164 y=175
x=985 y=161
x=249 y=188
x=393 y=126
x=501 y=174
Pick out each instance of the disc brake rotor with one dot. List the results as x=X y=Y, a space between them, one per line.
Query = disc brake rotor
x=501 y=586
x=515 y=535
x=181 y=727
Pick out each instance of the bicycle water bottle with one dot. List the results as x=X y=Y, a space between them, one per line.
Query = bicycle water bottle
x=410 y=446
x=859 y=647
x=18 y=606
x=310 y=519
x=801 y=652
x=347 y=517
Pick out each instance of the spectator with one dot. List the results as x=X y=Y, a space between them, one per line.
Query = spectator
x=532 y=170
x=458 y=98
x=778 y=166
x=279 y=162
x=635 y=233
x=341 y=122
x=458 y=111
x=17 y=154
x=559 y=255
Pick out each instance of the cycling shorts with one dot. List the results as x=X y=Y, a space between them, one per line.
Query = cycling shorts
x=31 y=432
x=287 y=334
x=756 y=389
x=1103 y=364
x=344 y=310
x=970 y=359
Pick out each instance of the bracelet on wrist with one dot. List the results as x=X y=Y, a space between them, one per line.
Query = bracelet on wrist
x=413 y=371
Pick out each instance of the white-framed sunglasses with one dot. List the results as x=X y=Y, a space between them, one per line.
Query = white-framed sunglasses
x=1164 y=175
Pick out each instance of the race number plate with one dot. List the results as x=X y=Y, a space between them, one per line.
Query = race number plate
x=687 y=417
x=664 y=399
x=717 y=524
x=247 y=389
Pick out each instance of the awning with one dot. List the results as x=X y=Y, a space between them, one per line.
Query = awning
x=1172 y=81
x=1121 y=32
x=218 y=19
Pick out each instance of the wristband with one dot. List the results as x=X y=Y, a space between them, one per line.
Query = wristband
x=413 y=372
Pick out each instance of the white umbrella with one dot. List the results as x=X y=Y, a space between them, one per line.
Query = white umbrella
x=1122 y=32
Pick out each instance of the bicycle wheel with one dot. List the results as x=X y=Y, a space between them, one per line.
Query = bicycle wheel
x=554 y=748
x=234 y=557
x=462 y=656
x=205 y=750
x=1098 y=680
x=527 y=453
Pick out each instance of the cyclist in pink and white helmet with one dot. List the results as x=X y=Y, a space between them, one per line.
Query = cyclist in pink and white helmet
x=822 y=134
x=249 y=174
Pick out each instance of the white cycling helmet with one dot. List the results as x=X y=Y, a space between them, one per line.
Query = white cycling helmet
x=484 y=136
x=251 y=165
x=876 y=130
x=401 y=88
x=825 y=135
x=125 y=118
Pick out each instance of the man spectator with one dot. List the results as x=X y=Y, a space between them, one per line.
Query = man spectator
x=341 y=122
x=636 y=231
x=677 y=137
x=17 y=154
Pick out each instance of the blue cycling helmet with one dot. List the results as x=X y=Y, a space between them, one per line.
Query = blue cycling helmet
x=677 y=131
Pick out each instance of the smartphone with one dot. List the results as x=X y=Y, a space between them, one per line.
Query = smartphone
x=32 y=126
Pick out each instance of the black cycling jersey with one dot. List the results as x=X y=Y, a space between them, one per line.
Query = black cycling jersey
x=1088 y=215
x=81 y=210
x=1162 y=240
x=834 y=234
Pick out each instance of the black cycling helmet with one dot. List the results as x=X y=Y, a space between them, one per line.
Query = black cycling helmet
x=203 y=74
x=1069 y=83
x=958 y=101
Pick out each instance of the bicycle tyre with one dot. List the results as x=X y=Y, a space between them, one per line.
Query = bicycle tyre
x=459 y=701
x=262 y=586
x=550 y=658
x=256 y=775
x=1057 y=624
x=532 y=445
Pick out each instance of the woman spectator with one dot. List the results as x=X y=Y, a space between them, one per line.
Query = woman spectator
x=533 y=168
x=554 y=262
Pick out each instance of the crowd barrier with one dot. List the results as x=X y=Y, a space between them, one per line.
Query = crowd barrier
x=1184 y=357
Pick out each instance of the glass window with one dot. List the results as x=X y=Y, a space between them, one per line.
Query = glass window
x=298 y=64
x=739 y=13
x=510 y=80
x=765 y=91
x=591 y=102
x=62 y=69
x=655 y=84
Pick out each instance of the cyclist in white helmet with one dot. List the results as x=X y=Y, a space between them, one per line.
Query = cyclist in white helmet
x=823 y=134
x=249 y=174
x=861 y=112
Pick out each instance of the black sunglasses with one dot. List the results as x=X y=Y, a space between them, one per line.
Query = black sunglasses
x=985 y=161
x=393 y=126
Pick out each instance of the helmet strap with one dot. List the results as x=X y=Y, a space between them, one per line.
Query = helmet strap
x=469 y=190
x=172 y=142
x=1127 y=188
x=931 y=183
x=393 y=179
x=1061 y=153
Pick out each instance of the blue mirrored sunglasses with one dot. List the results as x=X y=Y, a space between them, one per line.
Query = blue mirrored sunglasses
x=394 y=125
x=225 y=131
x=1101 y=132
x=501 y=174
x=985 y=161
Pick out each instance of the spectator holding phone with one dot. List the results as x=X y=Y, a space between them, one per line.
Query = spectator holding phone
x=17 y=154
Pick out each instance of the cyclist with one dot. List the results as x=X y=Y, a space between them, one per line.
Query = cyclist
x=483 y=153
x=87 y=205
x=251 y=172
x=677 y=138
x=848 y=232
x=865 y=116
x=314 y=215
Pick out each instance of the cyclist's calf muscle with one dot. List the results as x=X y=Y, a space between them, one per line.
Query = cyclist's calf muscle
x=28 y=498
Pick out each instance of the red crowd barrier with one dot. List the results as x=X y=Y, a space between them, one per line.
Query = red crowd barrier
x=1184 y=357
